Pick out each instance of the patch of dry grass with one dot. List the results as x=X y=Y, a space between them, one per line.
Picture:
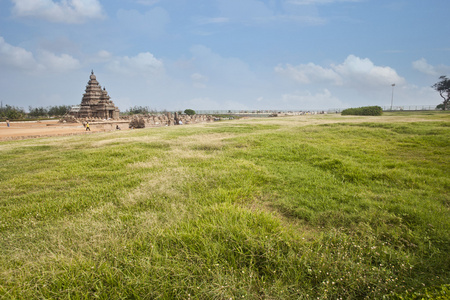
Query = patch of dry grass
x=297 y=207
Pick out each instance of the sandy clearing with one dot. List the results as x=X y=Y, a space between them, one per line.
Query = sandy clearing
x=34 y=129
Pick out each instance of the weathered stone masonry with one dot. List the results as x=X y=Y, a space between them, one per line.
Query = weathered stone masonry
x=98 y=109
x=96 y=103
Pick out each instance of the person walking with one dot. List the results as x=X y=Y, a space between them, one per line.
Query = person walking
x=7 y=122
x=87 y=127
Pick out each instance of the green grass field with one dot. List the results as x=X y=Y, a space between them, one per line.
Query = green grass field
x=309 y=207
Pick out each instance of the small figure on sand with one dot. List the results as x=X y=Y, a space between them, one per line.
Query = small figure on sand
x=87 y=127
x=7 y=122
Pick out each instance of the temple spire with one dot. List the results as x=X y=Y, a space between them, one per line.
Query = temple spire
x=96 y=103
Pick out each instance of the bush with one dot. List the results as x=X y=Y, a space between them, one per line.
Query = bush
x=189 y=112
x=363 y=111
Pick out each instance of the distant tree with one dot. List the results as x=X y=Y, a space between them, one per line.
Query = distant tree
x=58 y=111
x=189 y=112
x=12 y=112
x=50 y=111
x=37 y=112
x=443 y=87
x=137 y=110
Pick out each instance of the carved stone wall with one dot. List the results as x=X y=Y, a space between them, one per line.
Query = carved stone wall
x=96 y=103
x=169 y=119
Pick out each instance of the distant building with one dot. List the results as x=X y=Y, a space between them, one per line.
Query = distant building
x=95 y=103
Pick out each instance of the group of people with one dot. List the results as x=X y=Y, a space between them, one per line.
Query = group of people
x=88 y=128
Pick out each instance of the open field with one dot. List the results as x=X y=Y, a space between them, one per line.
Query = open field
x=306 y=207
x=48 y=128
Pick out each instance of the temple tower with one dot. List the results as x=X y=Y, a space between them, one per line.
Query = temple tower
x=96 y=102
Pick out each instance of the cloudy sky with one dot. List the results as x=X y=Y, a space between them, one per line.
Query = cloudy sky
x=224 y=54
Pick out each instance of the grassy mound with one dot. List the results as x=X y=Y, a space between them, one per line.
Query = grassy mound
x=284 y=208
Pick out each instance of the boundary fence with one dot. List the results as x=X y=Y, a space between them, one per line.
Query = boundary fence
x=409 y=107
x=313 y=111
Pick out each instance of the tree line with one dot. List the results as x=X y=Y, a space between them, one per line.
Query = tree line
x=17 y=113
x=145 y=110
x=138 y=110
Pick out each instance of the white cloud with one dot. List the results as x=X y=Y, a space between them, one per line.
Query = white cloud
x=199 y=81
x=16 y=57
x=361 y=71
x=310 y=101
x=67 y=11
x=423 y=66
x=21 y=59
x=143 y=64
x=353 y=72
x=101 y=57
x=103 y=54
x=218 y=69
x=61 y=63
x=309 y=73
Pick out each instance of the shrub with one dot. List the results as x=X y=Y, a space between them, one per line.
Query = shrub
x=363 y=111
x=440 y=106
x=189 y=112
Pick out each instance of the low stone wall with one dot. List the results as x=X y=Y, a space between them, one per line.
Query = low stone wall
x=169 y=119
x=110 y=125
x=140 y=121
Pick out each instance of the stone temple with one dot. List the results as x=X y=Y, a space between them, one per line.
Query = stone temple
x=95 y=103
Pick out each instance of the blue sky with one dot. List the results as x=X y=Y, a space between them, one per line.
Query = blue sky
x=224 y=54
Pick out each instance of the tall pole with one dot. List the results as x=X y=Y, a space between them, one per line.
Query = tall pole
x=392 y=99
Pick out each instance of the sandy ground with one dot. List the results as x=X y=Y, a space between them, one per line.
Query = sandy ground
x=25 y=130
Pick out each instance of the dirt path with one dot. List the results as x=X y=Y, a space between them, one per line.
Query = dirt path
x=25 y=130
